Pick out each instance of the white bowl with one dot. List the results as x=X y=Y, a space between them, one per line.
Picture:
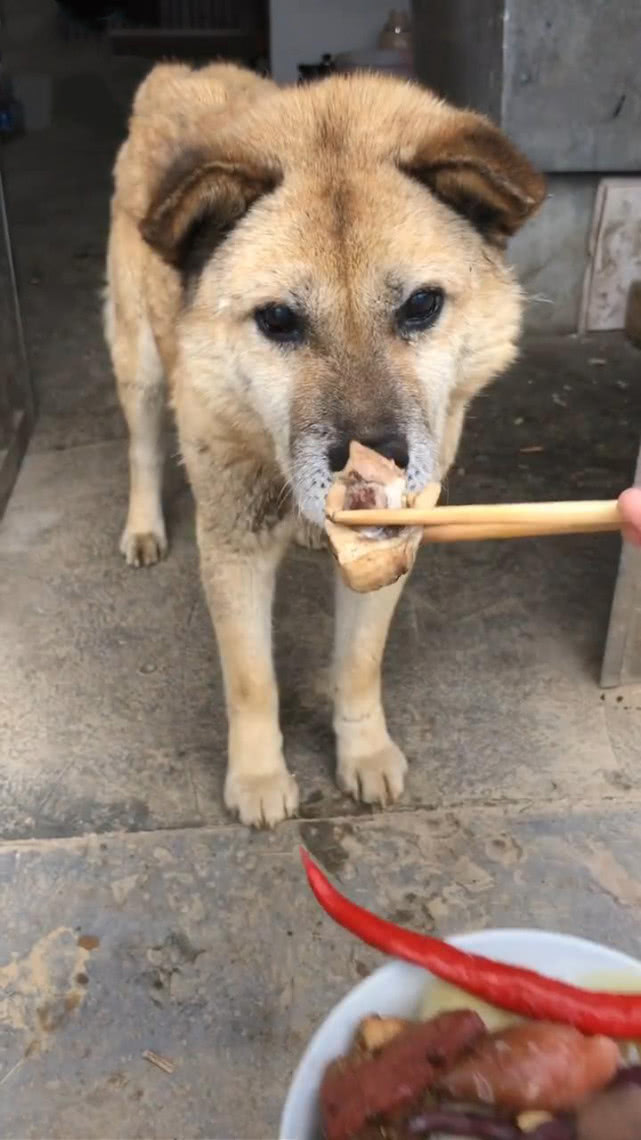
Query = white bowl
x=396 y=989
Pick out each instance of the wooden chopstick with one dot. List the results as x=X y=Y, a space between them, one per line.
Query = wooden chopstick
x=548 y=518
x=479 y=532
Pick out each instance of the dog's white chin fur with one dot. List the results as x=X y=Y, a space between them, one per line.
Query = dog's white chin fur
x=311 y=476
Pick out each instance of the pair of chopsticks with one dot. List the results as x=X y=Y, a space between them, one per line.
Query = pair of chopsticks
x=495 y=520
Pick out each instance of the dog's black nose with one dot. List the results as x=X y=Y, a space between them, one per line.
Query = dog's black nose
x=392 y=446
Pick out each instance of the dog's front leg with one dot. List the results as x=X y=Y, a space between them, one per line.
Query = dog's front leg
x=370 y=766
x=239 y=581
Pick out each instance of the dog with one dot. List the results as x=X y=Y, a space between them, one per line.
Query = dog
x=301 y=267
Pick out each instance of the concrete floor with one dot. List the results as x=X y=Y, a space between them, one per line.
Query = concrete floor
x=135 y=914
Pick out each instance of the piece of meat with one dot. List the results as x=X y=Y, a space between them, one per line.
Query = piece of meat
x=357 y=1090
x=361 y=496
x=367 y=471
x=536 y=1065
x=371 y=557
x=612 y=1115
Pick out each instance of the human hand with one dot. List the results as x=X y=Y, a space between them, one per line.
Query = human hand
x=630 y=507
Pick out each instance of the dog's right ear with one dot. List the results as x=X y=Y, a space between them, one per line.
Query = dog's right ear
x=200 y=194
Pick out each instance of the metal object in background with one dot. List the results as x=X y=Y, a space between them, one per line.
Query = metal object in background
x=17 y=409
x=393 y=54
x=397 y=32
x=563 y=79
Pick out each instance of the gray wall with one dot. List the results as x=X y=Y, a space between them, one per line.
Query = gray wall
x=550 y=253
x=562 y=78
x=458 y=49
x=303 y=30
x=572 y=82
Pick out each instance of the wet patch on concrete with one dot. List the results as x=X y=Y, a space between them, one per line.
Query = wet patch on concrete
x=325 y=841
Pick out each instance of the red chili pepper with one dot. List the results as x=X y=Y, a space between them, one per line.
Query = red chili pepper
x=510 y=987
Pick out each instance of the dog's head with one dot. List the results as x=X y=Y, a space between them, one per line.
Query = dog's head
x=342 y=254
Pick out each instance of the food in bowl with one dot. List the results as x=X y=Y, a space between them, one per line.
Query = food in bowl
x=450 y=1076
x=472 y=1070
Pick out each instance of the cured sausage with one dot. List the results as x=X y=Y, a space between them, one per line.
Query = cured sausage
x=539 y=1065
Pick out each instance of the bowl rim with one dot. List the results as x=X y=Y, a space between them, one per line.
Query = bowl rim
x=461 y=941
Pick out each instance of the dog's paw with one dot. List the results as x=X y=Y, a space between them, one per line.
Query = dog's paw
x=377 y=778
x=309 y=536
x=261 y=800
x=143 y=549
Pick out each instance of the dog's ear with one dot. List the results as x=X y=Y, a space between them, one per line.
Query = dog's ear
x=198 y=202
x=471 y=166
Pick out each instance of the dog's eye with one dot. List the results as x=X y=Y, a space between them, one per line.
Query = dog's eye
x=420 y=310
x=280 y=323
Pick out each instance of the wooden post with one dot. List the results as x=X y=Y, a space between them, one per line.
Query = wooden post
x=622 y=658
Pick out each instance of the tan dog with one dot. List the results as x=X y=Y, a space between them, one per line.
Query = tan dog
x=304 y=267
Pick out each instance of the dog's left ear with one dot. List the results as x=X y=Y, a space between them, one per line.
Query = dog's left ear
x=199 y=193
x=471 y=166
